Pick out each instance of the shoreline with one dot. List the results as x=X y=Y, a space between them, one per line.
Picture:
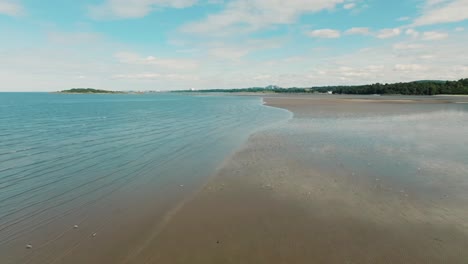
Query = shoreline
x=115 y=230
x=141 y=255
x=267 y=205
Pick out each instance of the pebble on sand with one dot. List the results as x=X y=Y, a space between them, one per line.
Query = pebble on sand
x=94 y=234
x=28 y=246
x=75 y=227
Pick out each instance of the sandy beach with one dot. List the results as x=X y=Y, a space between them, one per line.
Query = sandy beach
x=281 y=199
x=337 y=179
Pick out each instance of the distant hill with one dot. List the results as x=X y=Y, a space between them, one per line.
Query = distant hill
x=88 y=91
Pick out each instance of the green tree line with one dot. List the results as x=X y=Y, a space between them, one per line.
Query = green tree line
x=408 y=88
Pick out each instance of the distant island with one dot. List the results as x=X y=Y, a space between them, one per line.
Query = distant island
x=88 y=91
x=409 y=88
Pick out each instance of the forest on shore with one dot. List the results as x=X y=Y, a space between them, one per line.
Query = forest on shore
x=407 y=88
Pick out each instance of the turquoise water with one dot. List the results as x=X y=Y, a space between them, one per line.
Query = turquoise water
x=68 y=159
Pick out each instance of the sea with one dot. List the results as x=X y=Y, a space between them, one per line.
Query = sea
x=75 y=167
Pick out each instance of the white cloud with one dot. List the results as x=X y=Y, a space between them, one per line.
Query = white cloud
x=349 y=6
x=235 y=51
x=74 y=37
x=262 y=77
x=113 y=9
x=252 y=15
x=459 y=29
x=171 y=63
x=358 y=31
x=324 y=33
x=229 y=53
x=407 y=46
x=156 y=76
x=403 y=18
x=427 y=57
x=434 y=35
x=410 y=67
x=443 y=11
x=462 y=70
x=389 y=33
x=411 y=32
x=359 y=72
x=11 y=8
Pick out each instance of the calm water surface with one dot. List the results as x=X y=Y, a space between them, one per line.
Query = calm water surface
x=89 y=160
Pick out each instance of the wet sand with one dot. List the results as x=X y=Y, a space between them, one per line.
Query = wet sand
x=345 y=105
x=271 y=203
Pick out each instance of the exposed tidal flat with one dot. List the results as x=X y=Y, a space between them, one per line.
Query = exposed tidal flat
x=349 y=179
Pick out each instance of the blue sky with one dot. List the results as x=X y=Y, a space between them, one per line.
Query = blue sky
x=179 y=44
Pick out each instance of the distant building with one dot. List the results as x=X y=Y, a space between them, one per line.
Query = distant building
x=330 y=92
x=272 y=87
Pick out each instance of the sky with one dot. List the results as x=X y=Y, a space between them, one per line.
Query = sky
x=53 y=45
